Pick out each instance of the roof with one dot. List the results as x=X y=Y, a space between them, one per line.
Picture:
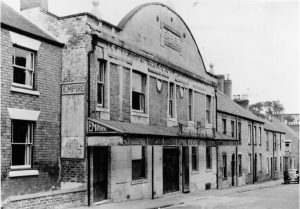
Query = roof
x=225 y=104
x=12 y=20
x=272 y=127
x=290 y=133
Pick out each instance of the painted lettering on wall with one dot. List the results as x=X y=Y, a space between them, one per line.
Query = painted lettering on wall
x=171 y=37
x=72 y=147
x=94 y=127
x=73 y=88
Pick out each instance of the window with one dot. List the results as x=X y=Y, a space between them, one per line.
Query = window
x=101 y=83
x=190 y=105
x=268 y=165
x=260 y=162
x=260 y=136
x=138 y=162
x=249 y=165
x=208 y=109
x=275 y=163
x=138 y=91
x=275 y=141
x=239 y=130
x=240 y=164
x=281 y=159
x=267 y=139
x=208 y=158
x=224 y=165
x=224 y=126
x=21 y=143
x=194 y=158
x=232 y=128
x=23 y=67
x=171 y=100
x=255 y=135
x=249 y=134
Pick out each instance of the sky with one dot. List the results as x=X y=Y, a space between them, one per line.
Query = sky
x=256 y=42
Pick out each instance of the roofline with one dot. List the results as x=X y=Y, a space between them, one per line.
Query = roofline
x=274 y=131
x=125 y=19
x=31 y=35
x=221 y=111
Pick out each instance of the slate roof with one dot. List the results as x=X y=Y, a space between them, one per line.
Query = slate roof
x=14 y=21
x=290 y=133
x=225 y=104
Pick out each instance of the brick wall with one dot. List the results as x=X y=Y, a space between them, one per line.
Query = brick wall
x=59 y=199
x=115 y=113
x=126 y=108
x=46 y=140
x=182 y=104
x=73 y=170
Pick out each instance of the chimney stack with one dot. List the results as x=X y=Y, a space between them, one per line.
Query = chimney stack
x=29 y=4
x=242 y=100
x=228 y=87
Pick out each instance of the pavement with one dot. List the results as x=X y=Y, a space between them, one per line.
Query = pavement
x=176 y=199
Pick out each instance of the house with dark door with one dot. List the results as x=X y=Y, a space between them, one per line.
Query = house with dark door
x=30 y=106
x=138 y=106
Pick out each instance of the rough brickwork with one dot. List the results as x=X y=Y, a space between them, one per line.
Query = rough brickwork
x=73 y=170
x=49 y=200
x=114 y=92
x=158 y=103
x=46 y=139
x=199 y=101
x=126 y=108
x=182 y=104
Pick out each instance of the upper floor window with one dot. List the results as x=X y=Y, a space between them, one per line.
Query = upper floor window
x=101 y=83
x=267 y=141
x=21 y=144
x=138 y=157
x=232 y=128
x=275 y=141
x=280 y=142
x=255 y=135
x=138 y=91
x=208 y=108
x=249 y=134
x=260 y=137
x=23 y=68
x=208 y=158
x=190 y=105
x=171 y=100
x=239 y=130
x=224 y=126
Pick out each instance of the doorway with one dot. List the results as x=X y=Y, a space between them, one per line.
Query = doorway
x=232 y=169
x=185 y=170
x=100 y=180
x=255 y=168
x=170 y=169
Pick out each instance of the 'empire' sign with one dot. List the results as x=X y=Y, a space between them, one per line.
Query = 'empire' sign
x=95 y=127
x=72 y=88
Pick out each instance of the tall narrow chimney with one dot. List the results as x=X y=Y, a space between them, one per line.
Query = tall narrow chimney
x=221 y=79
x=29 y=4
x=228 y=87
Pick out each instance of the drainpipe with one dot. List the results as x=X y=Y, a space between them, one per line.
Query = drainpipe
x=273 y=164
x=253 y=158
x=152 y=162
x=236 y=152
x=217 y=148
x=93 y=43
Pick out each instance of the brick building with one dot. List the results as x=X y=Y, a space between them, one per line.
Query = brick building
x=30 y=106
x=138 y=106
x=259 y=154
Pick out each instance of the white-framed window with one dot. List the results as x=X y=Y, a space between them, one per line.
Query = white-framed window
x=138 y=91
x=23 y=68
x=171 y=100
x=101 y=82
x=191 y=106
x=195 y=164
x=138 y=158
x=21 y=144
x=208 y=108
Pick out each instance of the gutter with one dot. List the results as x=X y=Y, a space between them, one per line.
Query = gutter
x=93 y=43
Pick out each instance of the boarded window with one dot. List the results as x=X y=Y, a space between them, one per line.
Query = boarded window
x=138 y=162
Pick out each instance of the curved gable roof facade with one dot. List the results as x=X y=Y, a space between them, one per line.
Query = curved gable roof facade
x=161 y=31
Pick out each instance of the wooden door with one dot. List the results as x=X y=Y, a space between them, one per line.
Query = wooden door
x=170 y=169
x=185 y=169
x=100 y=173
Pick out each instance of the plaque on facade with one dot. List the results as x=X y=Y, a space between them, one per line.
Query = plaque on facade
x=171 y=37
x=72 y=88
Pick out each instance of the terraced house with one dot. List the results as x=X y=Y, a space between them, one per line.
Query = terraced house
x=120 y=112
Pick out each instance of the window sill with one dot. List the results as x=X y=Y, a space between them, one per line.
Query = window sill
x=172 y=119
x=208 y=170
x=24 y=91
x=139 y=181
x=21 y=173
x=102 y=109
x=195 y=172
x=139 y=113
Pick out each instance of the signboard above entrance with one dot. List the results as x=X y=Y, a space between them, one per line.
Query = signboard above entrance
x=94 y=127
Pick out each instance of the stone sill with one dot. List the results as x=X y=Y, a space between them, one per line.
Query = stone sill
x=139 y=181
x=209 y=170
x=195 y=172
x=21 y=173
x=24 y=91
x=44 y=194
x=102 y=109
x=139 y=114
